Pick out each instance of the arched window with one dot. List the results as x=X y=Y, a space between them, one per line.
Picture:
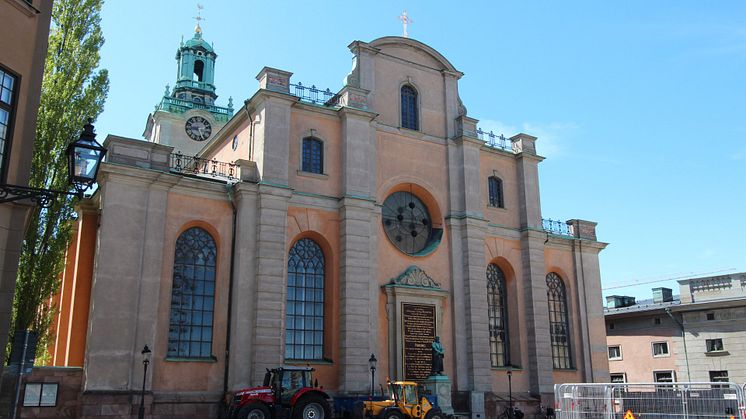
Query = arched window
x=498 y=317
x=304 y=320
x=409 y=117
x=313 y=155
x=199 y=68
x=496 y=192
x=559 y=327
x=192 y=295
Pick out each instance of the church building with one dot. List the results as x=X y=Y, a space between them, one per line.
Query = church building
x=308 y=227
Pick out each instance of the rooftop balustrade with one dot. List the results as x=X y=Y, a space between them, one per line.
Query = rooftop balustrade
x=493 y=140
x=200 y=167
x=314 y=95
x=558 y=227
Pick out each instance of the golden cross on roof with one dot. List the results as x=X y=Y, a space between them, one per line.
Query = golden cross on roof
x=199 y=18
x=405 y=20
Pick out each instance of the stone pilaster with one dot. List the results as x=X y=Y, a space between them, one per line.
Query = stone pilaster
x=534 y=271
x=594 y=355
x=358 y=295
x=467 y=228
x=271 y=279
x=126 y=279
x=358 y=241
x=243 y=315
x=271 y=106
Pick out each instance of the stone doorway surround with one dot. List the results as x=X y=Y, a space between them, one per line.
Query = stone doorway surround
x=413 y=286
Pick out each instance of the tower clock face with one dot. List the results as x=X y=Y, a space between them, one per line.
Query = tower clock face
x=198 y=128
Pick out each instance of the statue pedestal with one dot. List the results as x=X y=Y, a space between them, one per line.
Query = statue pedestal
x=440 y=385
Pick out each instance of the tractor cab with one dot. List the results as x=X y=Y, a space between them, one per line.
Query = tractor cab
x=287 y=381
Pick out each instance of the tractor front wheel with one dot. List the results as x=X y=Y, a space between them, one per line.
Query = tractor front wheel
x=434 y=413
x=312 y=407
x=392 y=414
x=254 y=411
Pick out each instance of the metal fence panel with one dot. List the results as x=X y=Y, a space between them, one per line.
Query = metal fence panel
x=650 y=400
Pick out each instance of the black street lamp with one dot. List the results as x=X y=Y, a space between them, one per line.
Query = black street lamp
x=372 y=362
x=145 y=361
x=510 y=389
x=84 y=158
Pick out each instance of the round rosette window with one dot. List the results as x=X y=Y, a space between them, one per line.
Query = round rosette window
x=408 y=224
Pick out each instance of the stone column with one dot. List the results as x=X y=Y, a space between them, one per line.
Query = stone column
x=588 y=279
x=540 y=364
x=271 y=278
x=358 y=245
x=467 y=228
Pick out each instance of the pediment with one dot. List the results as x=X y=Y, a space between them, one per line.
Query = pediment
x=414 y=276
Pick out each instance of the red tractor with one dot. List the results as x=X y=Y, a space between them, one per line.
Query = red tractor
x=287 y=393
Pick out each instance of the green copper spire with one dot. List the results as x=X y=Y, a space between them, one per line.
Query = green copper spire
x=195 y=78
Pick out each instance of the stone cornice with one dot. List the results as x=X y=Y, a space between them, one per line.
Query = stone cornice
x=345 y=110
x=180 y=184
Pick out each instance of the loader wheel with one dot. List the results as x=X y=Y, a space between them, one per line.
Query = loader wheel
x=434 y=413
x=392 y=414
x=253 y=411
x=312 y=407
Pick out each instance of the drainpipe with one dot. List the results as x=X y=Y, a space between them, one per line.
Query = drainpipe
x=229 y=191
x=683 y=337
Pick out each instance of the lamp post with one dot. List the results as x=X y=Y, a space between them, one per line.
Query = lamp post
x=84 y=158
x=372 y=362
x=510 y=389
x=145 y=361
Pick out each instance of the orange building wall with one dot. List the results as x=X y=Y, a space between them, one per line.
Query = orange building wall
x=73 y=299
x=216 y=218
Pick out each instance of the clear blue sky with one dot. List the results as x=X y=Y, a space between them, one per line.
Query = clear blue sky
x=639 y=106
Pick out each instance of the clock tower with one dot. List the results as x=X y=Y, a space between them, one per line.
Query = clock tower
x=187 y=117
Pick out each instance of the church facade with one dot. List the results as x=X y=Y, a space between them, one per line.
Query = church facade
x=318 y=229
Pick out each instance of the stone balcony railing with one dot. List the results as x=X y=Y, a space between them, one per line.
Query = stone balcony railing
x=580 y=229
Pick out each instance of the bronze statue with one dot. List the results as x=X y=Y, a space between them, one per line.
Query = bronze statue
x=438 y=352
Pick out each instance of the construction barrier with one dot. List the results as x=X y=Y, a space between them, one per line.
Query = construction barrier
x=650 y=400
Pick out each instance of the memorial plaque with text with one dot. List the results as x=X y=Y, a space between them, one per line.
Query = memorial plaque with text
x=418 y=333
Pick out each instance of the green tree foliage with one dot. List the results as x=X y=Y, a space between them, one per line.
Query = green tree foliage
x=73 y=90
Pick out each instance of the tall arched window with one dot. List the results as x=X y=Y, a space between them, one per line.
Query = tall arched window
x=313 y=155
x=496 y=192
x=409 y=116
x=559 y=327
x=498 y=316
x=192 y=295
x=304 y=319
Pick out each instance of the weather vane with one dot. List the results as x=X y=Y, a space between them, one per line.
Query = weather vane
x=199 y=18
x=405 y=20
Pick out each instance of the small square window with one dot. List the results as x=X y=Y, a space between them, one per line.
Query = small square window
x=710 y=316
x=619 y=377
x=657 y=320
x=611 y=326
x=40 y=395
x=660 y=349
x=719 y=376
x=664 y=376
x=714 y=345
x=615 y=353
